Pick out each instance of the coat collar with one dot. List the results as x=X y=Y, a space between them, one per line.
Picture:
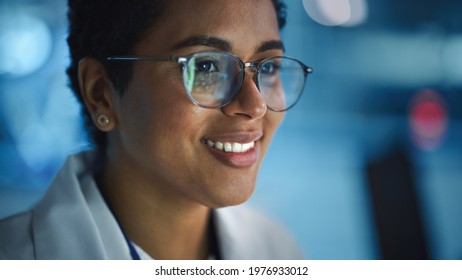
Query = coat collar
x=73 y=220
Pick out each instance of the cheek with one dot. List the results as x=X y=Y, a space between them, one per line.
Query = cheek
x=150 y=105
x=159 y=122
x=152 y=115
x=272 y=122
x=160 y=135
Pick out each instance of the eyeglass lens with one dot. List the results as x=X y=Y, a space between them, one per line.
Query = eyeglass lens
x=212 y=80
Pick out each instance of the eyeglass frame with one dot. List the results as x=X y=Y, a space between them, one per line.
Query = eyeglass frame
x=255 y=68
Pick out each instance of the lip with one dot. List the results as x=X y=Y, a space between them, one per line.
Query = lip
x=239 y=160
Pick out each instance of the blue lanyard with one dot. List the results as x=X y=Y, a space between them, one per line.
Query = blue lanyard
x=131 y=248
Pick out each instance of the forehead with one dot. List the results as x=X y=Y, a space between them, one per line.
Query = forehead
x=244 y=23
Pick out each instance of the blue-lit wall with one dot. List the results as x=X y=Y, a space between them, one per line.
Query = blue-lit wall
x=39 y=119
x=367 y=97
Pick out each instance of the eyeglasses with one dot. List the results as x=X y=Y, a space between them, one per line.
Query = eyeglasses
x=212 y=79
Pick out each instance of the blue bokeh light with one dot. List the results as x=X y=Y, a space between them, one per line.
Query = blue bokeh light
x=25 y=44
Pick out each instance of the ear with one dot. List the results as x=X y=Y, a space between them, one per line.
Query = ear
x=97 y=93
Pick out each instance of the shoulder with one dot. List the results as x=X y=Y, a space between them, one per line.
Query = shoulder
x=72 y=221
x=19 y=232
x=245 y=233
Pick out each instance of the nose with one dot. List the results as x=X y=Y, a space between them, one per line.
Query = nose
x=248 y=103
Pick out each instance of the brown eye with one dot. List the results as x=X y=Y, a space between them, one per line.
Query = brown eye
x=206 y=66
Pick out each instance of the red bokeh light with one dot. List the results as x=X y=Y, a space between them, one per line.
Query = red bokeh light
x=428 y=119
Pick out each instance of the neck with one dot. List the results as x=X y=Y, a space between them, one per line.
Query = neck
x=161 y=224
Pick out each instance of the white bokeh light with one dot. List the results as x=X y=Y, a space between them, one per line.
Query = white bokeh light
x=337 y=12
x=359 y=11
x=25 y=44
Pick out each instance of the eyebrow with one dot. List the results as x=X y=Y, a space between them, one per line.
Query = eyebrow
x=270 y=45
x=214 y=42
x=223 y=44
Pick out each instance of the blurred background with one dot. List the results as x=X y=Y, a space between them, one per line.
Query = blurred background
x=367 y=166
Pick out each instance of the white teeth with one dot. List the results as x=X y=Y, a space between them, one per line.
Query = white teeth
x=237 y=148
x=231 y=147
x=247 y=146
x=228 y=147
x=219 y=146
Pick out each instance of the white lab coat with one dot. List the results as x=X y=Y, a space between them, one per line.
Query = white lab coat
x=72 y=221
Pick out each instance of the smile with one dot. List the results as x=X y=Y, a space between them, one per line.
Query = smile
x=230 y=147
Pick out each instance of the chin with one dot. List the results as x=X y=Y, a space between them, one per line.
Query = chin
x=231 y=198
x=223 y=204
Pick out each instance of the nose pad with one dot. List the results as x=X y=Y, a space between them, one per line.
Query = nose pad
x=254 y=76
x=252 y=65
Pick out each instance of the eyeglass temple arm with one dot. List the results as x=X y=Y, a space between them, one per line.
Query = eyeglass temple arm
x=139 y=58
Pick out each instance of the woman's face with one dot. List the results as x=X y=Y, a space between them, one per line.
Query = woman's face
x=161 y=138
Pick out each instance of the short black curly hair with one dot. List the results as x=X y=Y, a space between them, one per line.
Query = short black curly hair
x=99 y=28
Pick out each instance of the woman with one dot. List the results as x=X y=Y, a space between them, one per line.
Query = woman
x=180 y=126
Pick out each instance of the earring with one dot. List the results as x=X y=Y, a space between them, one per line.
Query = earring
x=103 y=120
